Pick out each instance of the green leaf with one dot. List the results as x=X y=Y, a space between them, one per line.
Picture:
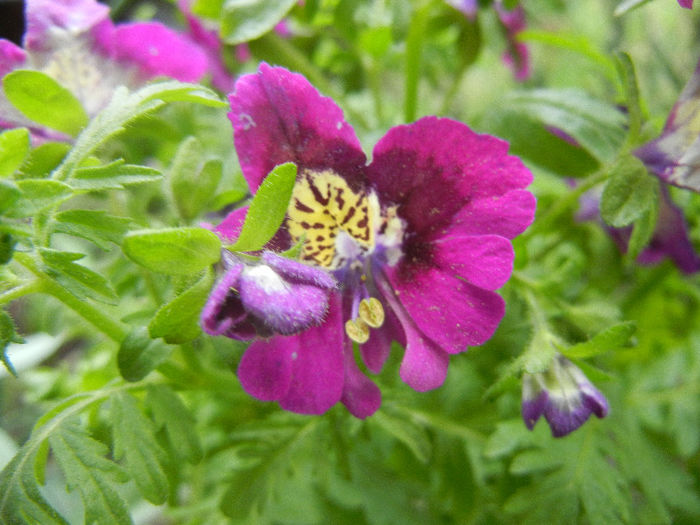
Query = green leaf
x=178 y=321
x=208 y=8
x=9 y=195
x=14 y=146
x=39 y=194
x=94 y=225
x=610 y=339
x=139 y=355
x=192 y=181
x=43 y=100
x=244 y=20
x=43 y=159
x=86 y=469
x=7 y=336
x=228 y=197
x=115 y=175
x=597 y=126
x=7 y=247
x=632 y=97
x=79 y=280
x=643 y=231
x=136 y=445
x=411 y=435
x=268 y=209
x=169 y=412
x=21 y=500
x=629 y=193
x=176 y=251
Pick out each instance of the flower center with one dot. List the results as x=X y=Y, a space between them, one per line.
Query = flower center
x=336 y=221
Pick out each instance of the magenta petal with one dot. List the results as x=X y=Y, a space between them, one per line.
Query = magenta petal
x=265 y=370
x=485 y=261
x=688 y=4
x=218 y=316
x=159 y=50
x=278 y=117
x=448 y=310
x=360 y=395
x=11 y=56
x=230 y=228
x=296 y=271
x=376 y=350
x=508 y=215
x=435 y=166
x=424 y=364
x=317 y=366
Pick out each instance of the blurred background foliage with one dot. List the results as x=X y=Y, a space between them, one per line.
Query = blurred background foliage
x=208 y=453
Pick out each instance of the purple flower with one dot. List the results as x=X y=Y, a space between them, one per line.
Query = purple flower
x=564 y=395
x=418 y=241
x=675 y=155
x=670 y=239
x=76 y=43
x=688 y=4
x=273 y=296
x=517 y=56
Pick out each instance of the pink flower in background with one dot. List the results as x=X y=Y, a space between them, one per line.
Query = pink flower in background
x=76 y=43
x=517 y=56
x=418 y=240
x=688 y=4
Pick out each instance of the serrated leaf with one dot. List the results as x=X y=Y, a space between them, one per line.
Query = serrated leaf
x=94 y=225
x=87 y=470
x=629 y=193
x=176 y=251
x=39 y=194
x=267 y=209
x=178 y=321
x=115 y=175
x=170 y=413
x=21 y=500
x=14 y=146
x=244 y=20
x=595 y=125
x=193 y=182
x=139 y=355
x=136 y=445
x=78 y=279
x=43 y=100
x=408 y=433
x=609 y=339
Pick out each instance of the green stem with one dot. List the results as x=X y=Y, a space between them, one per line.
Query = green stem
x=566 y=202
x=105 y=324
x=19 y=291
x=454 y=89
x=414 y=52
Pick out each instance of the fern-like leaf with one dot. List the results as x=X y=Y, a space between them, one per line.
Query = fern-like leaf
x=86 y=469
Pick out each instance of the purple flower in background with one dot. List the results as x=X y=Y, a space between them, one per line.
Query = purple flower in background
x=468 y=7
x=418 y=241
x=675 y=155
x=517 y=56
x=76 y=43
x=688 y=4
x=670 y=239
x=564 y=395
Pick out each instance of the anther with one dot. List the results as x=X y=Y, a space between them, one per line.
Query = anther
x=357 y=330
x=372 y=312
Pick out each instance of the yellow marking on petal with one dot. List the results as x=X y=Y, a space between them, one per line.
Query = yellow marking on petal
x=322 y=206
x=357 y=330
x=371 y=312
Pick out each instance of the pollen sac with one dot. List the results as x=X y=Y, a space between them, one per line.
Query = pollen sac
x=371 y=312
x=357 y=330
x=328 y=211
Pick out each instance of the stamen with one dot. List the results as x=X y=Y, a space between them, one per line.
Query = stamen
x=372 y=312
x=357 y=330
